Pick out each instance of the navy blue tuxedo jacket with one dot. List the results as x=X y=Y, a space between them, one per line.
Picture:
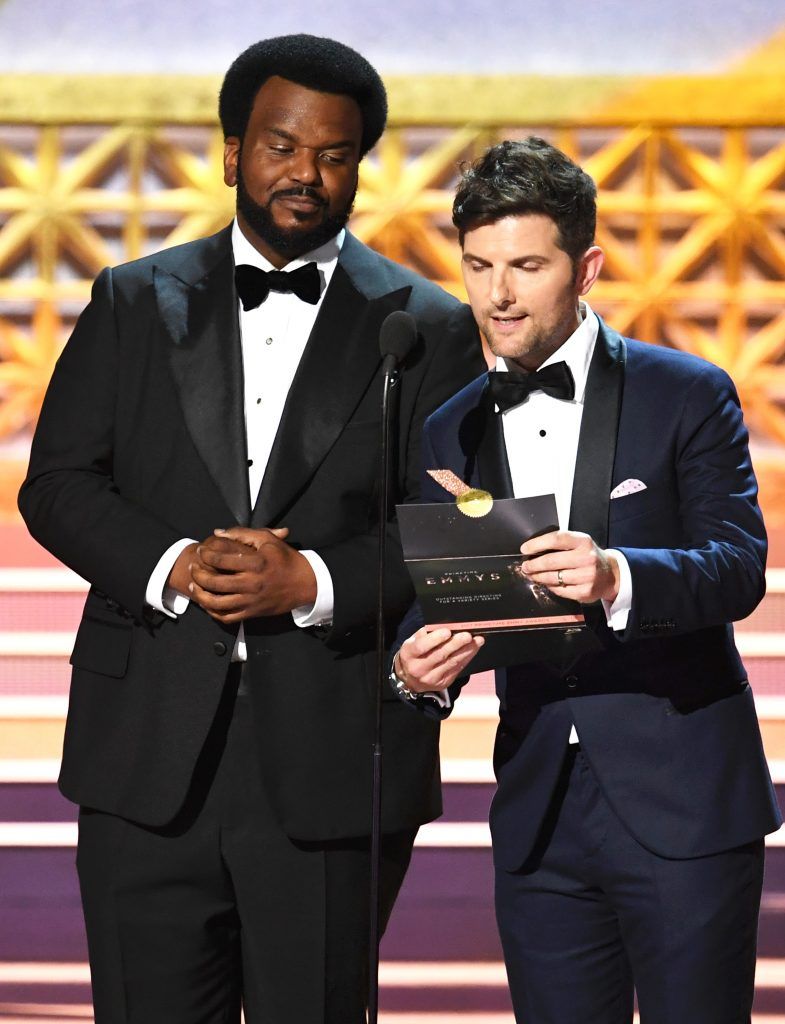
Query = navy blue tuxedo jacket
x=141 y=442
x=663 y=710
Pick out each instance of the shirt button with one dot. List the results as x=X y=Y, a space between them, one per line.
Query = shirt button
x=572 y=682
x=268 y=341
x=219 y=648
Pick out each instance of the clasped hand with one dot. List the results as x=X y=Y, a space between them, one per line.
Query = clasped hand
x=241 y=573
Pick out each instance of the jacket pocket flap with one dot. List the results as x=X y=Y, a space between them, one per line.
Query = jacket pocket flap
x=102 y=646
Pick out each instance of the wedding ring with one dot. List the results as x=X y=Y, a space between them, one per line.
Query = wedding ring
x=559 y=579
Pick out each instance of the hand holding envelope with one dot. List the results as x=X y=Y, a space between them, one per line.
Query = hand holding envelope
x=432 y=660
x=563 y=563
x=570 y=564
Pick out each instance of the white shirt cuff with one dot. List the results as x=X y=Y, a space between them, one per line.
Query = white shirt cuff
x=616 y=613
x=320 y=613
x=440 y=697
x=240 y=652
x=166 y=599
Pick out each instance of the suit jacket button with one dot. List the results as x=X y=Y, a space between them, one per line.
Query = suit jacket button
x=219 y=648
x=572 y=682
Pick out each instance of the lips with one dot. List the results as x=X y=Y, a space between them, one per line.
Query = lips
x=300 y=200
x=507 y=323
x=301 y=204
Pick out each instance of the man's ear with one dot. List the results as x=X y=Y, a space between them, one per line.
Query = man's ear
x=589 y=269
x=231 y=158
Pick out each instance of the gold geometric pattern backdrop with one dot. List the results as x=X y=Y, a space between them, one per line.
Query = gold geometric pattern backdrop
x=691 y=209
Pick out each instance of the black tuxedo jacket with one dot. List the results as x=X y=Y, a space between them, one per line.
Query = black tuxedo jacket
x=141 y=441
x=663 y=710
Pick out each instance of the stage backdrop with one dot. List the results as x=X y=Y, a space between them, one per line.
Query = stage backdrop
x=109 y=149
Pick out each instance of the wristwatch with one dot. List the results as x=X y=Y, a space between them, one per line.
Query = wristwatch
x=400 y=686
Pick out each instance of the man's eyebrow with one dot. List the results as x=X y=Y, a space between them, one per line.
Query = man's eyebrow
x=517 y=262
x=282 y=134
x=532 y=258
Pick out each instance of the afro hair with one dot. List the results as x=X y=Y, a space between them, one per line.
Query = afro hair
x=317 y=63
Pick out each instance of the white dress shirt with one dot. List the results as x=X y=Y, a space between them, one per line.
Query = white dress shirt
x=541 y=438
x=273 y=338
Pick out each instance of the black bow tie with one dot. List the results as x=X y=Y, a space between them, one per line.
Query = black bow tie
x=510 y=389
x=254 y=285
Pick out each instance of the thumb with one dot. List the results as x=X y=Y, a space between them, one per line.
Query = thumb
x=254 y=538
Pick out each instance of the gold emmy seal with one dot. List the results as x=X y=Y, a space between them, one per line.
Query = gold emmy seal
x=471 y=501
x=474 y=503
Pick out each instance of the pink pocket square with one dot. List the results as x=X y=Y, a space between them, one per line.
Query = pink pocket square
x=627 y=487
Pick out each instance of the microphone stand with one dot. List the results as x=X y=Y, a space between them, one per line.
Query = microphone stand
x=390 y=377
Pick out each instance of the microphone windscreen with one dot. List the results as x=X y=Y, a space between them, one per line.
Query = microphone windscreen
x=398 y=335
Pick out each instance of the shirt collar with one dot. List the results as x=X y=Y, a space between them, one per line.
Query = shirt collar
x=576 y=351
x=325 y=257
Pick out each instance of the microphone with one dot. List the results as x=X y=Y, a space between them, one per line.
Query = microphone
x=397 y=338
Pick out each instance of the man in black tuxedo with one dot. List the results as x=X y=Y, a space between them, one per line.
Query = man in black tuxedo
x=219 y=734
x=633 y=794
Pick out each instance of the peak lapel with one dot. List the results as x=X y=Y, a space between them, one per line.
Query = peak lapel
x=339 y=362
x=591 y=487
x=201 y=318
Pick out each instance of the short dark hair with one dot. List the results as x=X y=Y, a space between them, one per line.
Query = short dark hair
x=324 y=65
x=530 y=176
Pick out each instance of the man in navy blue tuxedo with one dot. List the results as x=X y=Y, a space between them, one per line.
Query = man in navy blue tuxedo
x=633 y=793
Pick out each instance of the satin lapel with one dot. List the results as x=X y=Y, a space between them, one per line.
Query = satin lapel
x=591 y=487
x=201 y=319
x=340 y=360
x=493 y=468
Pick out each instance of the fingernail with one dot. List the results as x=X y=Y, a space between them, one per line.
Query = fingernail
x=219 y=531
x=190 y=586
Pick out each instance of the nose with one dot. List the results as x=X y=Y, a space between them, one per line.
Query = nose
x=501 y=294
x=305 y=168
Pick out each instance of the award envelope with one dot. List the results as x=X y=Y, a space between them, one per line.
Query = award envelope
x=467 y=574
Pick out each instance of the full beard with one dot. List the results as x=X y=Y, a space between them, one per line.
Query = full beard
x=289 y=242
